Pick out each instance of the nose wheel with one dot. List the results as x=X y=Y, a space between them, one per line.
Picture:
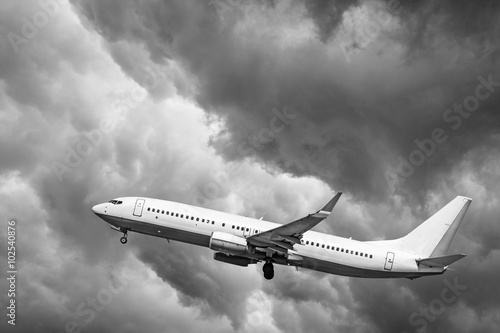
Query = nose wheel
x=268 y=270
x=123 y=240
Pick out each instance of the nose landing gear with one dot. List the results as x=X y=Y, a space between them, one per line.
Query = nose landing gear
x=268 y=270
x=123 y=240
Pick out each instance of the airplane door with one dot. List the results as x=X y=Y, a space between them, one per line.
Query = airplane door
x=139 y=205
x=389 y=260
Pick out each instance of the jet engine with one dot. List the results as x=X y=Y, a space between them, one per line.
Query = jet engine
x=228 y=243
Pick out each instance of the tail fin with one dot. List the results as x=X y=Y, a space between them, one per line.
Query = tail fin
x=433 y=237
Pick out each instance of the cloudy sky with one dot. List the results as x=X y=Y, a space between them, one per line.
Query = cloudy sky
x=261 y=108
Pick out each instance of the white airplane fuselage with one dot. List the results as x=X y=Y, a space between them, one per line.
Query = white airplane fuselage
x=316 y=251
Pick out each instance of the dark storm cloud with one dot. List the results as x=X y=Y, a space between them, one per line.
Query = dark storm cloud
x=349 y=119
x=355 y=120
x=467 y=23
x=55 y=93
x=349 y=130
x=243 y=79
x=327 y=15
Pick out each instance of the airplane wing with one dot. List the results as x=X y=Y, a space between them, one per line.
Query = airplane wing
x=283 y=238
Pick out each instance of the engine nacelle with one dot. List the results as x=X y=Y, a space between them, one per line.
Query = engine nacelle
x=228 y=243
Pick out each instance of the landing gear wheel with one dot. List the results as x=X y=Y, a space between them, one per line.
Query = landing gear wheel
x=269 y=276
x=123 y=240
x=268 y=270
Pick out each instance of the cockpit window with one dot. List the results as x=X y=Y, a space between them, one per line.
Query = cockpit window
x=116 y=202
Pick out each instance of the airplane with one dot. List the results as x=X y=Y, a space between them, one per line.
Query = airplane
x=244 y=241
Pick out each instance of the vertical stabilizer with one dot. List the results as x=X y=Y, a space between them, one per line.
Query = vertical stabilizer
x=433 y=237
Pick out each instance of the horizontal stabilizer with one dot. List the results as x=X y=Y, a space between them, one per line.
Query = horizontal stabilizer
x=440 y=261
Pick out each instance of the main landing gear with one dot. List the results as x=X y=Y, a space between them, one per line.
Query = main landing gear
x=268 y=270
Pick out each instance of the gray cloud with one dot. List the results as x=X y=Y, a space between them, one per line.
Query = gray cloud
x=193 y=87
x=327 y=15
x=242 y=77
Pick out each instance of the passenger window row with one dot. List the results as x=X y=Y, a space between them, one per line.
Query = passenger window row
x=187 y=217
x=339 y=249
x=182 y=216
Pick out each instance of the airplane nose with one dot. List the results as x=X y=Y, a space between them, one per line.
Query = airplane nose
x=97 y=209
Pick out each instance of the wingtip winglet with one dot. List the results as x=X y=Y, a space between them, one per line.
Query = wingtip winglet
x=329 y=206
